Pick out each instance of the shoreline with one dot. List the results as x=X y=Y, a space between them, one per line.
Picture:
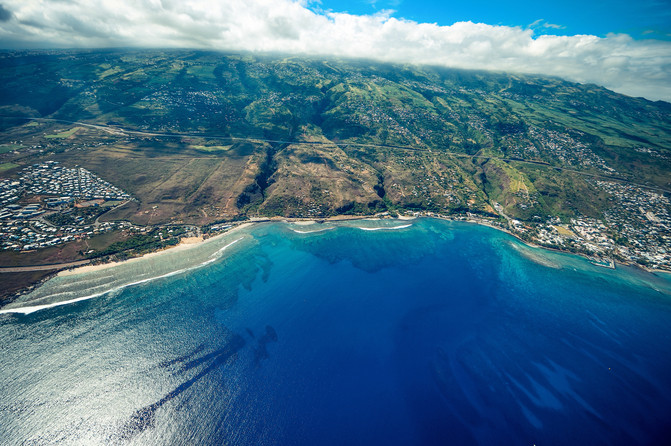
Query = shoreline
x=189 y=242
x=192 y=242
x=556 y=250
x=184 y=244
x=30 y=306
x=476 y=221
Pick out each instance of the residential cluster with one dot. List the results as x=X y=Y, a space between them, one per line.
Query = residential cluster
x=569 y=149
x=587 y=235
x=635 y=229
x=38 y=208
x=51 y=178
x=26 y=235
x=195 y=104
x=643 y=220
x=168 y=99
x=652 y=152
x=365 y=114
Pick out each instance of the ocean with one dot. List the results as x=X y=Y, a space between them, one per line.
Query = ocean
x=391 y=332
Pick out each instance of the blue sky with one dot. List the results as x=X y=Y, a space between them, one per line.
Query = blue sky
x=641 y=19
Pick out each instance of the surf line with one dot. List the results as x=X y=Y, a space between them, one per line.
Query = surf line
x=384 y=228
x=33 y=308
x=312 y=232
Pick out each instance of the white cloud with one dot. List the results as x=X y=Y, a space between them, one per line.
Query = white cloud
x=637 y=68
x=542 y=23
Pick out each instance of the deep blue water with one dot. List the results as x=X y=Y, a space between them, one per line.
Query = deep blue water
x=439 y=333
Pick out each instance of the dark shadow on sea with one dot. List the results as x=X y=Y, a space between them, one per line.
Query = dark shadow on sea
x=144 y=418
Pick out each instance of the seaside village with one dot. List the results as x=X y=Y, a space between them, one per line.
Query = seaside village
x=51 y=195
x=50 y=204
x=636 y=229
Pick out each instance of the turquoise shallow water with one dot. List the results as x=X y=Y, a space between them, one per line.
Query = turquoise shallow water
x=422 y=332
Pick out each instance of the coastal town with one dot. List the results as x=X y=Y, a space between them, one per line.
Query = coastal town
x=635 y=230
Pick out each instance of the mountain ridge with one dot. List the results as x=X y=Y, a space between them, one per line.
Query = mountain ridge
x=199 y=137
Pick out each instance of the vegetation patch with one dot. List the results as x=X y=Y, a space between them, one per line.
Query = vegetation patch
x=64 y=134
x=565 y=232
x=5 y=148
x=7 y=166
x=211 y=148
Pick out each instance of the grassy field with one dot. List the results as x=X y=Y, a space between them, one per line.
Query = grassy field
x=7 y=166
x=64 y=134
x=4 y=148
x=211 y=148
x=565 y=232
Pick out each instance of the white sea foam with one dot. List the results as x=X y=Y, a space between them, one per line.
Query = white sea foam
x=384 y=228
x=33 y=308
x=312 y=232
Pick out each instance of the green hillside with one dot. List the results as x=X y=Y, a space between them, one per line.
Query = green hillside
x=325 y=137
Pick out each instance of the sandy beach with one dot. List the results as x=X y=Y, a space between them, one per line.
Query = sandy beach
x=184 y=244
x=191 y=242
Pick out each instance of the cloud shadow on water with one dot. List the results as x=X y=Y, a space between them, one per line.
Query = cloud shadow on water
x=144 y=418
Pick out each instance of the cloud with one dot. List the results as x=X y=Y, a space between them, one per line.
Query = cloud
x=542 y=23
x=5 y=15
x=618 y=62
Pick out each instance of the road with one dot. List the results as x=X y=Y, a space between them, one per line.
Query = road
x=96 y=223
x=122 y=131
x=24 y=269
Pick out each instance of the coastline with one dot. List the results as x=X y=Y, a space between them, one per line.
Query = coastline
x=192 y=242
x=561 y=251
x=476 y=221
x=184 y=244
x=43 y=302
